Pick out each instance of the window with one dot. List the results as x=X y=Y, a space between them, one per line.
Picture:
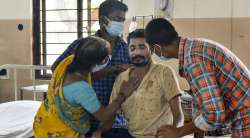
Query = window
x=57 y=23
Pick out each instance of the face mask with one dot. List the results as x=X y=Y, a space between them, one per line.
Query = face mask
x=115 y=28
x=99 y=67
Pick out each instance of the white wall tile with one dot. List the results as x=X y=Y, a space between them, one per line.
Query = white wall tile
x=15 y=9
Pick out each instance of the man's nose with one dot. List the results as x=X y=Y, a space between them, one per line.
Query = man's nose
x=137 y=51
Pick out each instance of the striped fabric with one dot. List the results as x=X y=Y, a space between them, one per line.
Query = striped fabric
x=220 y=85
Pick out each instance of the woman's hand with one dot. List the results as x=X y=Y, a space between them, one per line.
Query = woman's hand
x=128 y=87
x=117 y=69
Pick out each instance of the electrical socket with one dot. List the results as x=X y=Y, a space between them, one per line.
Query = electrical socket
x=4 y=74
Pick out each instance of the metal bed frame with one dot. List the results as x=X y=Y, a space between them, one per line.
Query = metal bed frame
x=33 y=68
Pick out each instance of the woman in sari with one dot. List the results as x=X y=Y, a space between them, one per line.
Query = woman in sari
x=71 y=100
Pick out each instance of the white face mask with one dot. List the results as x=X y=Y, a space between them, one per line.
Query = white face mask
x=99 y=67
x=114 y=28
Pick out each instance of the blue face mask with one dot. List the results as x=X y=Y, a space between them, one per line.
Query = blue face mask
x=115 y=28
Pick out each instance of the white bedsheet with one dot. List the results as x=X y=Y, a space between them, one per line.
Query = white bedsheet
x=16 y=118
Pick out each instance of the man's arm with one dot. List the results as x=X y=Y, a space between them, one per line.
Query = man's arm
x=178 y=117
x=168 y=131
x=172 y=94
x=207 y=95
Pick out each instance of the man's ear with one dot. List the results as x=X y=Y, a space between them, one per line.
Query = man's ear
x=151 y=48
x=103 y=20
x=151 y=52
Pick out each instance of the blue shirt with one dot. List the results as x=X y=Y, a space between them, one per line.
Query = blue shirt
x=81 y=93
x=103 y=87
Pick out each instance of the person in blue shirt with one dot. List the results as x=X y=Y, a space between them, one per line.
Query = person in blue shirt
x=111 y=21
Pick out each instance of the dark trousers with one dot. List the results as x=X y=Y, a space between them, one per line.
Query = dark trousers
x=114 y=133
x=117 y=133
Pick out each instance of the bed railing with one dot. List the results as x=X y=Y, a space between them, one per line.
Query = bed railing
x=15 y=67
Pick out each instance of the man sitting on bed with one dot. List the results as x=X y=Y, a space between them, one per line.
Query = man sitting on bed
x=157 y=100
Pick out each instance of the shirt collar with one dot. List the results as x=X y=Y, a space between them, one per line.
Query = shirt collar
x=152 y=65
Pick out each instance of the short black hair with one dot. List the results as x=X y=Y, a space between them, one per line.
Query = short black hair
x=138 y=33
x=89 y=52
x=160 y=31
x=109 y=6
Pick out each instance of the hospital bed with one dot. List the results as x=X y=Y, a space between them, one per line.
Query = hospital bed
x=17 y=116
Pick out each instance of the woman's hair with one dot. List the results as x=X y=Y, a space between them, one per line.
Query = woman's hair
x=89 y=52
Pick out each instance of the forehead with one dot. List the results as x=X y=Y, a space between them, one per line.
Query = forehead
x=137 y=41
x=117 y=13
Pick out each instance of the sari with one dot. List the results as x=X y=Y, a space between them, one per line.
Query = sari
x=57 y=118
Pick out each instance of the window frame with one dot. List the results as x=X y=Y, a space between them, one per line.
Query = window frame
x=39 y=32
